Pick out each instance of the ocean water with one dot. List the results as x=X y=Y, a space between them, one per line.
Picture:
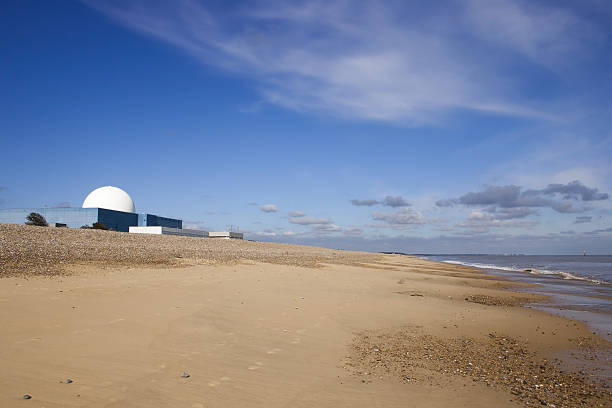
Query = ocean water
x=580 y=287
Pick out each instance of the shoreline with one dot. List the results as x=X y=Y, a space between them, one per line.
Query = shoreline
x=304 y=329
x=579 y=299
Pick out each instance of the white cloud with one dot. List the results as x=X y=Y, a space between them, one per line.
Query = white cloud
x=402 y=217
x=476 y=215
x=297 y=214
x=479 y=222
x=269 y=208
x=265 y=233
x=325 y=228
x=196 y=225
x=352 y=231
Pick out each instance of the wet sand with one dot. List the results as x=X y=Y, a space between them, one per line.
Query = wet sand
x=385 y=331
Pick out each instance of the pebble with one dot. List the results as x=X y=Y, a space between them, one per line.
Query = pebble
x=68 y=381
x=46 y=251
x=533 y=380
x=185 y=375
x=27 y=396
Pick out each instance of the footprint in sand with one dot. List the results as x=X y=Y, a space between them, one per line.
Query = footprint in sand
x=82 y=331
x=28 y=340
x=217 y=383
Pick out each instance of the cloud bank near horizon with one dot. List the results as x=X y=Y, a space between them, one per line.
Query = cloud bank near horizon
x=499 y=213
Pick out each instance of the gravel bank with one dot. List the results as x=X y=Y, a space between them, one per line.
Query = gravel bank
x=28 y=250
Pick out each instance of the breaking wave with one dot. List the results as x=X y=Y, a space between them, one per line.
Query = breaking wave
x=533 y=271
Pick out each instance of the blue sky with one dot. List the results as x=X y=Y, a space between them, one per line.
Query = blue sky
x=456 y=126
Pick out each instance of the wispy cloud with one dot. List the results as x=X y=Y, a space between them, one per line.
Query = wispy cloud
x=480 y=222
x=510 y=213
x=326 y=228
x=196 y=225
x=297 y=214
x=582 y=220
x=389 y=201
x=599 y=231
x=541 y=33
x=310 y=221
x=352 y=231
x=404 y=217
x=390 y=61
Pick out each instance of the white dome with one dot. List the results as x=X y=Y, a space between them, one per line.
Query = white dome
x=111 y=198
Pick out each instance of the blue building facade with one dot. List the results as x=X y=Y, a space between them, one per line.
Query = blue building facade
x=78 y=217
x=150 y=220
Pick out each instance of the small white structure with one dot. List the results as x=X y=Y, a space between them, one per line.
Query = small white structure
x=110 y=198
x=226 y=235
x=169 y=231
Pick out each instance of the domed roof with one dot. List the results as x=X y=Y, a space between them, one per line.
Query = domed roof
x=111 y=198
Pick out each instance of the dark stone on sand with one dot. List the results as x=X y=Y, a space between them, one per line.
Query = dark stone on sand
x=27 y=396
x=185 y=375
x=68 y=381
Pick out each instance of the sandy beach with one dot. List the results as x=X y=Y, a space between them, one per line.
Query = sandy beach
x=148 y=321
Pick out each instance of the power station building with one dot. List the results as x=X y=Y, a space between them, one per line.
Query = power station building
x=108 y=205
x=114 y=208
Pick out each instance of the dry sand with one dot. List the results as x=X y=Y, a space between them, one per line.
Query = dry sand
x=257 y=325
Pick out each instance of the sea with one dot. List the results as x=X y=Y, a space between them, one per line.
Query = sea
x=579 y=287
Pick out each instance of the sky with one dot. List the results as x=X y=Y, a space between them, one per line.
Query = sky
x=476 y=126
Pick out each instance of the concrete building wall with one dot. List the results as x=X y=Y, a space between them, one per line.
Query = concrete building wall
x=157 y=230
x=146 y=230
x=226 y=235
